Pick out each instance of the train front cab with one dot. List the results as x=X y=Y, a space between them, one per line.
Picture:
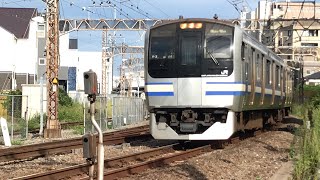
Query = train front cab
x=190 y=84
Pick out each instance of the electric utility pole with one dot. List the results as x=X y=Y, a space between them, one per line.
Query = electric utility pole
x=53 y=129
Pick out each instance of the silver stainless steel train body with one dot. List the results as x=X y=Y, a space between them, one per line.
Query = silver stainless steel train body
x=206 y=79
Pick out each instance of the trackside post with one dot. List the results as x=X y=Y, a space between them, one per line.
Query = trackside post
x=90 y=88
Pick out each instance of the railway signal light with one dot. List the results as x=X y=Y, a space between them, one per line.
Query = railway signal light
x=89 y=146
x=90 y=83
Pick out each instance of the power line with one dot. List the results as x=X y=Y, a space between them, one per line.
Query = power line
x=157 y=8
x=130 y=7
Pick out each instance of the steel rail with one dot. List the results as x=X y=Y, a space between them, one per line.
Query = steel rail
x=62 y=146
x=82 y=169
x=147 y=159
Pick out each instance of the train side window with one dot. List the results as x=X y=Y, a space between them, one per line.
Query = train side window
x=277 y=76
x=243 y=52
x=253 y=67
x=258 y=68
x=249 y=70
x=280 y=76
x=268 y=73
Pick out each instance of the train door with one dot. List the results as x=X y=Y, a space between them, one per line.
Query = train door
x=273 y=70
x=263 y=79
x=246 y=73
x=253 y=75
x=189 y=69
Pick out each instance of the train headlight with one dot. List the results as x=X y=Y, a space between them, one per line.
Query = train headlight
x=198 y=25
x=191 y=25
x=183 y=25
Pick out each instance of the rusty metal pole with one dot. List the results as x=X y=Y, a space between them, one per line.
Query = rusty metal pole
x=53 y=129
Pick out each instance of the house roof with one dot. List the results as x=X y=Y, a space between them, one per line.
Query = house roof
x=17 y=20
x=313 y=76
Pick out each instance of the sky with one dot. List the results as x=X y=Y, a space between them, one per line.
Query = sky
x=133 y=9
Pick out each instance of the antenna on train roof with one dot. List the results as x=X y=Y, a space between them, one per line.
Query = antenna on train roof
x=215 y=16
x=180 y=17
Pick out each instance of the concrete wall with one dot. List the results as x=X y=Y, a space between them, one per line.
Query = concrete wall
x=88 y=60
x=33 y=101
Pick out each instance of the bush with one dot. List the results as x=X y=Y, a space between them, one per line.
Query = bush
x=73 y=113
x=64 y=99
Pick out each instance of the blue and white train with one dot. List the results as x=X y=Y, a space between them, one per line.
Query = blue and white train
x=206 y=79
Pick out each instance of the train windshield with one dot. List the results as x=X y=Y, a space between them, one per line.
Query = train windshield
x=218 y=41
x=162 y=52
x=186 y=52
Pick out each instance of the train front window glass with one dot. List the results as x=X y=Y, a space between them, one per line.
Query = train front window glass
x=218 y=41
x=162 y=51
x=162 y=48
x=189 y=51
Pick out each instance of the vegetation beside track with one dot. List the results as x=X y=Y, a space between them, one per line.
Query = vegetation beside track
x=305 y=149
x=69 y=111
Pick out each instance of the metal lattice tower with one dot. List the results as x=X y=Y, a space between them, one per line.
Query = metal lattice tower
x=122 y=77
x=53 y=129
x=104 y=63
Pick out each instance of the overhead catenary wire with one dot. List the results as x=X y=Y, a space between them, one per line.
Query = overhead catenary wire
x=157 y=8
x=139 y=12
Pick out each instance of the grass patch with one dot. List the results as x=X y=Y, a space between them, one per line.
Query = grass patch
x=78 y=130
x=306 y=147
x=17 y=142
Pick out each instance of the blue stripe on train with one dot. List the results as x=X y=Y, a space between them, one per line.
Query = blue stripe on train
x=217 y=93
x=232 y=93
x=159 y=93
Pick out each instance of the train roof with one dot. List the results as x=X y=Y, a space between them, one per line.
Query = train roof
x=165 y=22
x=230 y=23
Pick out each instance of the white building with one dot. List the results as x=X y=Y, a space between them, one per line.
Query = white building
x=22 y=51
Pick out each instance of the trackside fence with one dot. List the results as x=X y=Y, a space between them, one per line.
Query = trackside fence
x=115 y=111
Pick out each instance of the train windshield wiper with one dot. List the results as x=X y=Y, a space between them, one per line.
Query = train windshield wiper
x=212 y=57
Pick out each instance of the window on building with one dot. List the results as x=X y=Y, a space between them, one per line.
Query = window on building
x=42 y=61
x=308 y=72
x=41 y=27
x=289 y=44
x=73 y=43
x=288 y=57
x=309 y=44
x=313 y=32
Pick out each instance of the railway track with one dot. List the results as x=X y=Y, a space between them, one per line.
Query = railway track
x=63 y=146
x=135 y=163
